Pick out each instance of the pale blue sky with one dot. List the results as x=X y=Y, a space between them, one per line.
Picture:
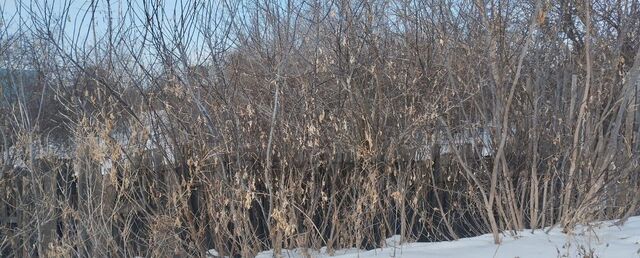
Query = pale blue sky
x=74 y=18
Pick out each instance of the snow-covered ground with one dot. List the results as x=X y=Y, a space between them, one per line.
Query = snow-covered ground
x=602 y=240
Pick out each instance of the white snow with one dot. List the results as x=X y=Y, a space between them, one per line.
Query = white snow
x=602 y=240
x=478 y=137
x=214 y=254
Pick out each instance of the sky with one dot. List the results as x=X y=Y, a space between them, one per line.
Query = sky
x=75 y=24
x=19 y=14
x=78 y=12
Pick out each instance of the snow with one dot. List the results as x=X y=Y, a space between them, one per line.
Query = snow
x=602 y=240
x=478 y=137
x=213 y=254
x=17 y=157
